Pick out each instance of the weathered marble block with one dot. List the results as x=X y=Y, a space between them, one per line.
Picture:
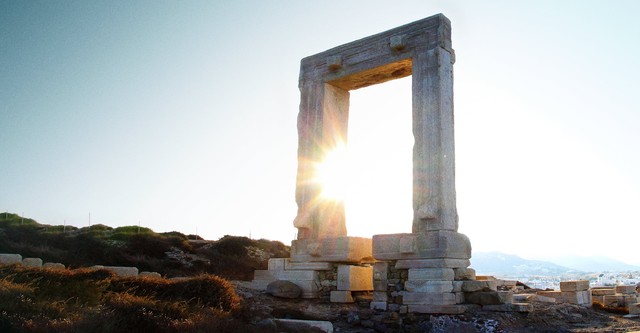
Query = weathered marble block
x=8 y=258
x=433 y=274
x=32 y=262
x=429 y=286
x=603 y=291
x=471 y=286
x=464 y=273
x=429 y=298
x=337 y=249
x=574 y=297
x=631 y=289
x=434 y=244
x=489 y=297
x=579 y=285
x=355 y=278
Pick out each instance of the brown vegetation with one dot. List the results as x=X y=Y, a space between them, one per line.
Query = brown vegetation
x=83 y=300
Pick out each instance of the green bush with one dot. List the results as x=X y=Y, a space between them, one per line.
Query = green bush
x=234 y=246
x=8 y=219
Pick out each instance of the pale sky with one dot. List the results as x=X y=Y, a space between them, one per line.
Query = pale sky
x=181 y=115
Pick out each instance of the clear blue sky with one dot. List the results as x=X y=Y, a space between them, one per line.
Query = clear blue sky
x=181 y=115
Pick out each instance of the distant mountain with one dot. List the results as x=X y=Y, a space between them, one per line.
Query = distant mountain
x=501 y=264
x=593 y=263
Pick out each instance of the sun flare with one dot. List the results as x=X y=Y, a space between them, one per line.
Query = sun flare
x=334 y=174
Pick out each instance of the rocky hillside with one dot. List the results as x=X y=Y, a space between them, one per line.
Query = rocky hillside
x=171 y=254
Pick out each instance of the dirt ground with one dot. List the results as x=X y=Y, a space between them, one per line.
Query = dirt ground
x=357 y=317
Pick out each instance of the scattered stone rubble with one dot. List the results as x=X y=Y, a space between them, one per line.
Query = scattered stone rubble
x=122 y=271
x=618 y=296
x=574 y=292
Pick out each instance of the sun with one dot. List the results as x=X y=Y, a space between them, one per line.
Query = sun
x=334 y=174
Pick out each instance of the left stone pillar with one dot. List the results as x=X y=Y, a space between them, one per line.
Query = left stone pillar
x=322 y=126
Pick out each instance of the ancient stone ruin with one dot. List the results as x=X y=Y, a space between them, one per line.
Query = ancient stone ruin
x=425 y=270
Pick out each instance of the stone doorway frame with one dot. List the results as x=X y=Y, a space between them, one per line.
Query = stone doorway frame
x=427 y=267
x=421 y=49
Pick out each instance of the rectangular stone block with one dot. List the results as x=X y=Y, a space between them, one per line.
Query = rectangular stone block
x=380 y=276
x=472 y=286
x=32 y=262
x=622 y=289
x=307 y=266
x=634 y=309
x=429 y=286
x=619 y=300
x=459 y=298
x=437 y=309
x=464 y=273
x=295 y=275
x=434 y=274
x=8 y=258
x=543 y=299
x=457 y=286
x=408 y=244
x=380 y=285
x=355 y=278
x=428 y=298
x=336 y=249
x=509 y=307
x=432 y=244
x=378 y=306
x=489 y=297
x=573 y=297
x=380 y=296
x=432 y=263
x=276 y=264
x=598 y=299
x=603 y=291
x=340 y=296
x=578 y=285
x=614 y=300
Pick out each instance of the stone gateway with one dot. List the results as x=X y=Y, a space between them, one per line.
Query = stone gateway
x=425 y=269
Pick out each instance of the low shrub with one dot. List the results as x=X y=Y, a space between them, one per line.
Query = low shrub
x=203 y=290
x=80 y=287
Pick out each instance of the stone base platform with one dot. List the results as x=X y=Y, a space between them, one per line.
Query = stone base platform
x=318 y=279
x=436 y=286
x=353 y=250
x=436 y=244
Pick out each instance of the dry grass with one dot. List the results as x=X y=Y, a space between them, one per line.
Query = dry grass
x=69 y=301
